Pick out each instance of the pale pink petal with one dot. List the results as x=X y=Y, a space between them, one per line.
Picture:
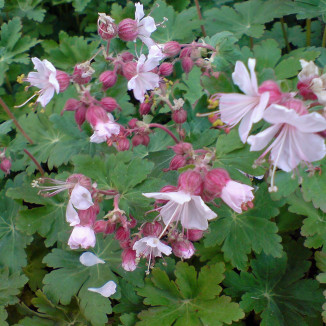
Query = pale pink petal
x=261 y=140
x=71 y=215
x=171 y=212
x=54 y=82
x=37 y=80
x=39 y=65
x=242 y=79
x=312 y=122
x=46 y=96
x=49 y=67
x=164 y=248
x=82 y=236
x=279 y=114
x=245 y=126
x=258 y=111
x=179 y=197
x=89 y=259
x=139 y=13
x=146 y=26
x=251 y=66
x=81 y=198
x=106 y=290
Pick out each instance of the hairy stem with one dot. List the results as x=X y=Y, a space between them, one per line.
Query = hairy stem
x=200 y=18
x=285 y=35
x=35 y=161
x=157 y=125
x=5 y=107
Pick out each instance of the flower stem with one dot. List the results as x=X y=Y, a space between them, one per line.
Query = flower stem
x=157 y=125
x=285 y=35
x=35 y=162
x=5 y=107
x=323 y=43
x=200 y=18
x=308 y=32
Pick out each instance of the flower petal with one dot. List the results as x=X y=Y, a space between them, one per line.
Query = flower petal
x=139 y=13
x=81 y=198
x=178 y=197
x=46 y=96
x=71 y=215
x=261 y=140
x=89 y=259
x=242 y=79
x=106 y=290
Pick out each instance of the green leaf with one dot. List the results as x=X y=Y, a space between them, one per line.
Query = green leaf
x=251 y=230
x=274 y=289
x=189 y=300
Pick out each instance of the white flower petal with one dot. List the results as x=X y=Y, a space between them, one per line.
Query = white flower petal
x=179 y=197
x=106 y=290
x=89 y=259
x=139 y=13
x=242 y=79
x=81 y=198
x=261 y=140
x=71 y=215
x=82 y=236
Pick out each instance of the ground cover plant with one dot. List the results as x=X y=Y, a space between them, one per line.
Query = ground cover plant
x=162 y=162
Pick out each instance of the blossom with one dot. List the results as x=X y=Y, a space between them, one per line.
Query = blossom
x=45 y=79
x=236 y=194
x=103 y=130
x=189 y=209
x=89 y=259
x=151 y=247
x=144 y=79
x=248 y=107
x=82 y=236
x=146 y=26
x=106 y=290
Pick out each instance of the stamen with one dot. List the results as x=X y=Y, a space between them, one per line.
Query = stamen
x=21 y=105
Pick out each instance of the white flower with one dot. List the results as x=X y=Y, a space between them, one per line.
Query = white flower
x=151 y=247
x=82 y=236
x=45 y=79
x=248 y=107
x=80 y=198
x=144 y=79
x=235 y=194
x=190 y=210
x=106 y=290
x=103 y=130
x=146 y=26
x=89 y=259
x=308 y=72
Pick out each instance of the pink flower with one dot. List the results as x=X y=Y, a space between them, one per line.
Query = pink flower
x=82 y=236
x=144 y=79
x=45 y=79
x=151 y=247
x=295 y=138
x=236 y=194
x=189 y=209
x=104 y=129
x=247 y=108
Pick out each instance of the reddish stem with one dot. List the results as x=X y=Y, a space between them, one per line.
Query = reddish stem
x=35 y=162
x=157 y=125
x=199 y=45
x=200 y=18
x=110 y=192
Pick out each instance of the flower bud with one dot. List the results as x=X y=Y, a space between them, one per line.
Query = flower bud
x=129 y=69
x=5 y=165
x=132 y=123
x=81 y=179
x=146 y=140
x=100 y=226
x=194 y=235
x=95 y=114
x=129 y=263
x=191 y=182
x=179 y=116
x=182 y=148
x=187 y=64
x=275 y=94
x=171 y=48
x=108 y=79
x=123 y=144
x=127 y=56
x=152 y=229
x=109 y=104
x=145 y=108
x=128 y=29
x=137 y=140
x=71 y=105
x=166 y=69
x=88 y=216
x=110 y=227
x=80 y=115
x=63 y=79
x=185 y=52
x=296 y=105
x=214 y=182
x=122 y=234
x=107 y=30
x=183 y=248
x=177 y=162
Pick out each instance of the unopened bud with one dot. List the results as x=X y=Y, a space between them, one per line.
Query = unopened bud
x=100 y=226
x=183 y=248
x=80 y=115
x=129 y=69
x=123 y=144
x=128 y=29
x=194 y=235
x=71 y=105
x=179 y=116
x=127 y=56
x=63 y=79
x=129 y=262
x=214 y=182
x=5 y=165
x=95 y=114
x=185 y=52
x=108 y=79
x=177 y=162
x=171 y=48
x=152 y=229
x=166 y=69
x=182 y=148
x=122 y=234
x=187 y=64
x=109 y=104
x=191 y=182
x=80 y=179
x=275 y=94
x=145 y=108
x=132 y=123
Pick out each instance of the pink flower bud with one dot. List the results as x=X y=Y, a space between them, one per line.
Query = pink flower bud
x=214 y=182
x=137 y=140
x=80 y=115
x=166 y=69
x=100 y=226
x=82 y=74
x=95 y=114
x=171 y=48
x=152 y=229
x=179 y=116
x=63 y=79
x=5 y=165
x=191 y=182
x=129 y=69
x=110 y=227
x=275 y=94
x=145 y=108
x=183 y=248
x=187 y=64
x=127 y=56
x=169 y=188
x=132 y=123
x=107 y=30
x=81 y=179
x=124 y=244
x=109 y=104
x=182 y=148
x=296 y=105
x=88 y=216
x=185 y=52
x=108 y=79
x=71 y=105
x=177 y=162
x=128 y=29
x=146 y=140
x=194 y=235
x=305 y=90
x=122 y=234
x=129 y=263
x=123 y=144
